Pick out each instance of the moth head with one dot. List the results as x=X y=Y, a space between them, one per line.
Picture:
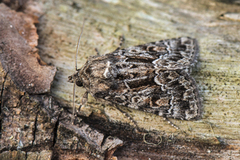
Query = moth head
x=75 y=79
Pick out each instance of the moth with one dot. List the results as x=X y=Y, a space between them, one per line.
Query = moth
x=152 y=77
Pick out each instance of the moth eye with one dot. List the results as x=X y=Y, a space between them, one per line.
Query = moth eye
x=79 y=83
x=88 y=71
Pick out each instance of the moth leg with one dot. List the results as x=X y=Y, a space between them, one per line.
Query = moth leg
x=97 y=51
x=121 y=38
x=171 y=123
x=83 y=100
x=129 y=117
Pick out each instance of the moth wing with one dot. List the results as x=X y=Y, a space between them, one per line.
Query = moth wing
x=152 y=77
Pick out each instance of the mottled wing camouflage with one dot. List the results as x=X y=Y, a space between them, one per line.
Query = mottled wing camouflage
x=152 y=77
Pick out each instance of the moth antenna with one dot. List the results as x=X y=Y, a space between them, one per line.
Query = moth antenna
x=79 y=43
x=74 y=83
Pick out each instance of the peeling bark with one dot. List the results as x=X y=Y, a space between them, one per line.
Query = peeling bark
x=18 y=56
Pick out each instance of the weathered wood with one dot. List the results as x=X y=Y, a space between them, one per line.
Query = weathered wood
x=216 y=135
